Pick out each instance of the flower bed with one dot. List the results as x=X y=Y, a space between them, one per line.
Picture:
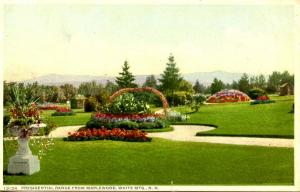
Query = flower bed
x=63 y=111
x=228 y=96
x=128 y=122
x=48 y=106
x=128 y=117
x=114 y=134
x=262 y=100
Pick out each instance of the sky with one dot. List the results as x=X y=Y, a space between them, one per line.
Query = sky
x=97 y=39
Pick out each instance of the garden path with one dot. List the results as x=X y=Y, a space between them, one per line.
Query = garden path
x=63 y=131
x=188 y=132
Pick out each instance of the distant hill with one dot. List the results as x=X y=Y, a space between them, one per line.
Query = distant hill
x=204 y=77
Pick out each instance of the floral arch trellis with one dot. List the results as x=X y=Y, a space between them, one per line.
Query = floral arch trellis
x=142 y=89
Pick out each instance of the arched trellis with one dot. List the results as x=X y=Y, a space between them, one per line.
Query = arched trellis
x=142 y=89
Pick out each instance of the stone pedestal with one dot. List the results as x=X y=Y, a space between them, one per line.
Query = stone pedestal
x=23 y=162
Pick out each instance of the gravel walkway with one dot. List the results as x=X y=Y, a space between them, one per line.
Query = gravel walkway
x=63 y=131
x=188 y=132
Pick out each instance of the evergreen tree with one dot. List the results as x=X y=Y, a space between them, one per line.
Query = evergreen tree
x=126 y=78
x=150 y=82
x=274 y=82
x=244 y=84
x=216 y=86
x=234 y=85
x=198 y=88
x=111 y=87
x=170 y=78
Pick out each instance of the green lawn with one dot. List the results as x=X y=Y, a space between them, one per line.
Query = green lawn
x=243 y=119
x=160 y=162
x=80 y=118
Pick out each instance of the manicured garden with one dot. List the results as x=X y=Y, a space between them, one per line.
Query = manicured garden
x=159 y=162
x=134 y=158
x=243 y=119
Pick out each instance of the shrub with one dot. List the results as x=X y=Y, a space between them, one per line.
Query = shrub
x=176 y=116
x=180 y=98
x=127 y=104
x=261 y=102
x=128 y=125
x=6 y=119
x=256 y=92
x=90 y=104
x=74 y=103
x=46 y=130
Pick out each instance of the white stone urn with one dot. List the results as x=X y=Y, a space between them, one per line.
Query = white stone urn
x=24 y=162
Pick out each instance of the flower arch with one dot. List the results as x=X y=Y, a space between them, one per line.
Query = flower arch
x=142 y=89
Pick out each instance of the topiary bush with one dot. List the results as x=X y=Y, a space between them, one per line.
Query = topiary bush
x=90 y=104
x=74 y=104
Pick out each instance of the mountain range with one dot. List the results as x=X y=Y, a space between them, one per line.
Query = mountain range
x=205 y=78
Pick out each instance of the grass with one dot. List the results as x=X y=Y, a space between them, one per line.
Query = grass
x=80 y=118
x=159 y=162
x=243 y=119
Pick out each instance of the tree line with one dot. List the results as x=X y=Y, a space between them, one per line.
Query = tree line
x=171 y=83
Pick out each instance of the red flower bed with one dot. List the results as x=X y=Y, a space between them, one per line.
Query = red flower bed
x=48 y=107
x=63 y=110
x=114 y=134
x=263 y=98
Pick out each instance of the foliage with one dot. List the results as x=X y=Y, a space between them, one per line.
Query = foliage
x=185 y=86
x=126 y=121
x=198 y=100
x=125 y=78
x=150 y=82
x=256 y=92
x=113 y=134
x=90 y=104
x=73 y=103
x=127 y=104
x=69 y=91
x=22 y=108
x=258 y=82
x=216 y=86
x=110 y=87
x=90 y=88
x=276 y=79
x=179 y=98
x=261 y=102
x=244 y=85
x=174 y=116
x=198 y=88
x=170 y=78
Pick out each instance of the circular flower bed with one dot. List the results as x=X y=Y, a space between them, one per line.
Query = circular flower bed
x=228 y=96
